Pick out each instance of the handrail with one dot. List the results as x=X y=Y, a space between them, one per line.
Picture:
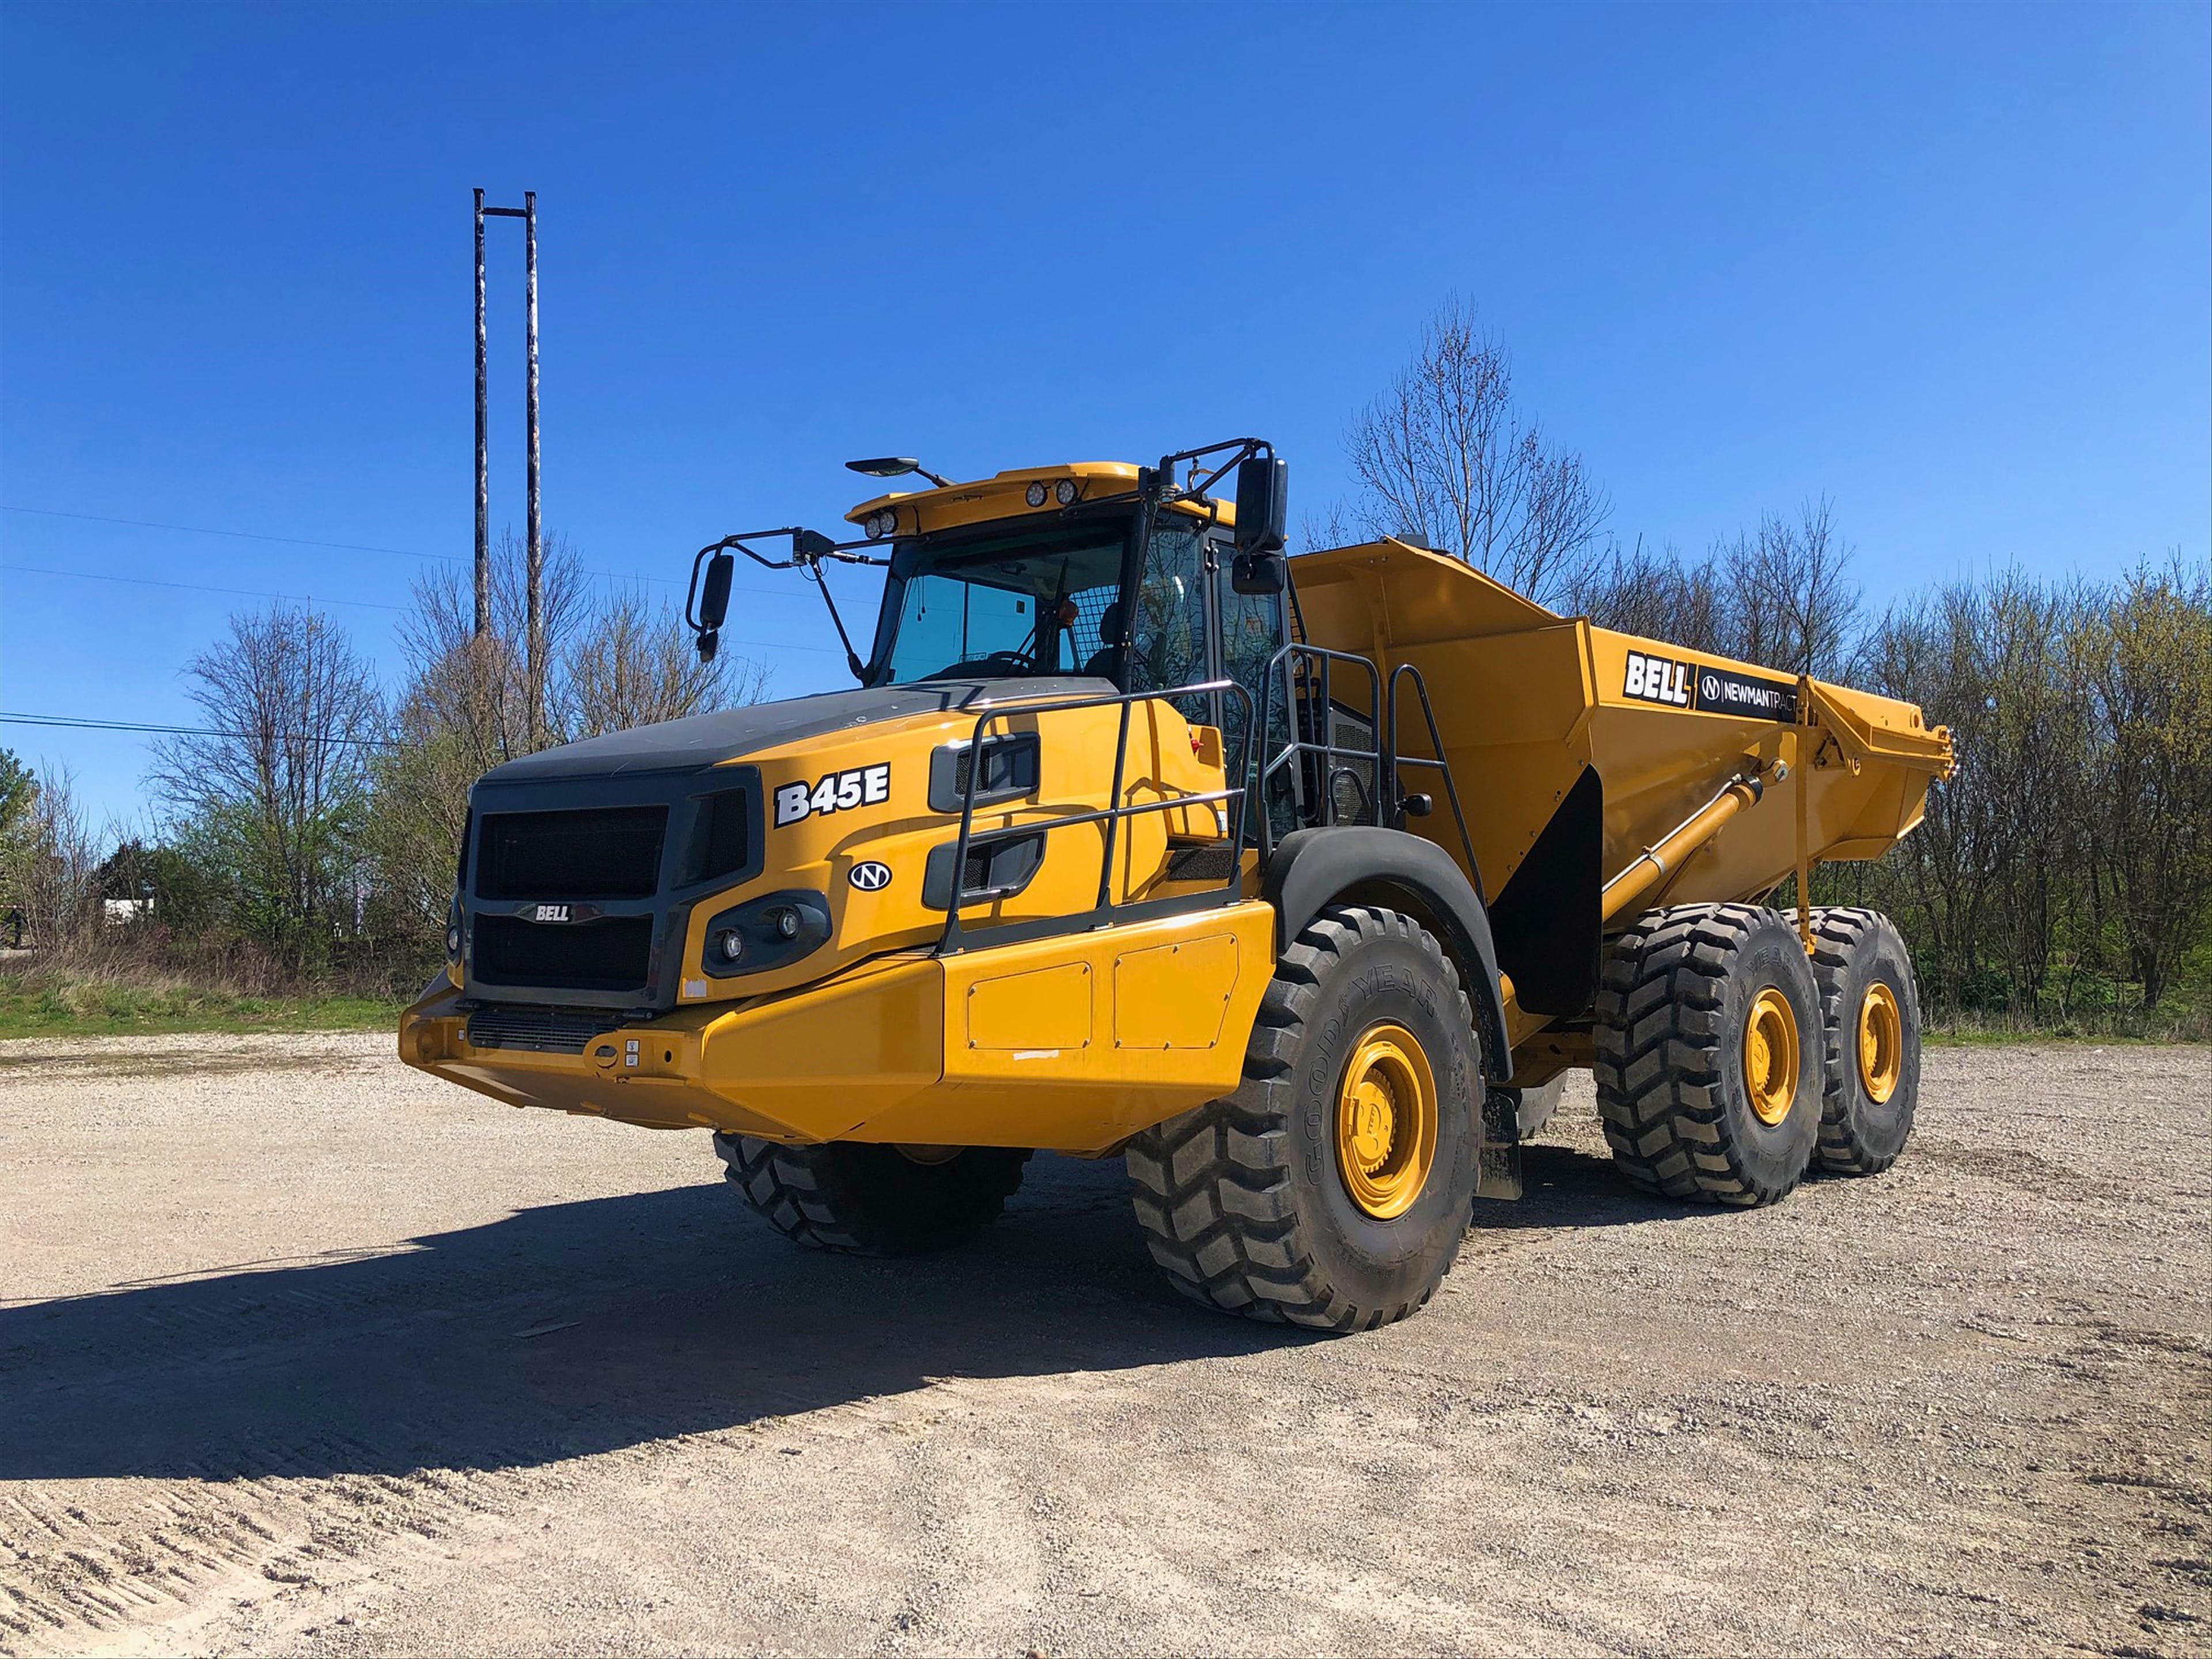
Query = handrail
x=1105 y=909
x=1435 y=743
x=1293 y=658
x=1384 y=754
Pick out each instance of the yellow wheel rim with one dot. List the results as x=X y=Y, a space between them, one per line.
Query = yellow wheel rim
x=1386 y=1121
x=1770 y=1055
x=1882 y=1043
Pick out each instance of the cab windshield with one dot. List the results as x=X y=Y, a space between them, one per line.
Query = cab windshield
x=1031 y=602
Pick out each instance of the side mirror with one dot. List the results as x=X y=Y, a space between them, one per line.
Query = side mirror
x=1263 y=505
x=1259 y=572
x=715 y=603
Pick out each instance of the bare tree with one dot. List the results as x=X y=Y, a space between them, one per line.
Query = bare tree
x=1331 y=526
x=474 y=690
x=272 y=793
x=1656 y=595
x=615 y=660
x=1793 y=603
x=49 y=865
x=1444 y=454
x=637 y=663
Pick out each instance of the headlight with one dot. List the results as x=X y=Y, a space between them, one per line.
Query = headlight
x=769 y=931
x=1036 y=493
x=1064 y=492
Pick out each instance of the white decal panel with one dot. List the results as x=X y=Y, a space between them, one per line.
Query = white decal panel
x=838 y=791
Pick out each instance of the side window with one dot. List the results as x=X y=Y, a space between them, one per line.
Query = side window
x=1088 y=650
x=1251 y=634
x=1170 y=631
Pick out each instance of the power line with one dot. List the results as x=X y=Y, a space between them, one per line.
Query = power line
x=344 y=547
x=370 y=604
x=242 y=535
x=69 y=722
x=193 y=588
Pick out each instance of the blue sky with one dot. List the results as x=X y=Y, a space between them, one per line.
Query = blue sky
x=1952 y=267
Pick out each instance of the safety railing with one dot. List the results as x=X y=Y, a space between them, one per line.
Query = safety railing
x=1435 y=758
x=1307 y=674
x=1106 y=909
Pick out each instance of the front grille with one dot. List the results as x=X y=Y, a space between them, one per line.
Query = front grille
x=612 y=954
x=605 y=853
x=549 y=1031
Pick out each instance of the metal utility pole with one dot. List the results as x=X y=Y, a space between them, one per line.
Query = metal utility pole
x=534 y=644
x=483 y=479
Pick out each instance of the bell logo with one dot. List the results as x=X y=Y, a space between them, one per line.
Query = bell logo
x=1656 y=679
x=870 y=877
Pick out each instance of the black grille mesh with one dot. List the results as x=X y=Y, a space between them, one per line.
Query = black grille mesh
x=605 y=853
x=613 y=954
x=549 y=1031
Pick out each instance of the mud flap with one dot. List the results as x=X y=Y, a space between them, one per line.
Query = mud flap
x=1499 y=1176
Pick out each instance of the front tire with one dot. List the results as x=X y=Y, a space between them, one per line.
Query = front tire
x=861 y=1200
x=1333 y=1188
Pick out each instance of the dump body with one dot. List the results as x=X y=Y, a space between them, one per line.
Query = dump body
x=1576 y=748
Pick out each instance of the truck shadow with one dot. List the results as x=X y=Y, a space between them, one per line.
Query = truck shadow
x=573 y=1328
x=1562 y=1186
x=581 y=1327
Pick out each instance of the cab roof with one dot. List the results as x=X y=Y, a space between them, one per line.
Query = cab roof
x=1005 y=495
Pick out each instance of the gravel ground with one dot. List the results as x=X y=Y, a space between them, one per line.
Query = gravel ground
x=302 y=1352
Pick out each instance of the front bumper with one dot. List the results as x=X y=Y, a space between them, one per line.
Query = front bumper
x=1070 y=1043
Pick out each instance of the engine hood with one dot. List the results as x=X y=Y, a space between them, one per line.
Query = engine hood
x=703 y=740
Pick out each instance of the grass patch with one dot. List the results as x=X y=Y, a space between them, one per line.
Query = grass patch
x=54 y=1005
x=2008 y=1036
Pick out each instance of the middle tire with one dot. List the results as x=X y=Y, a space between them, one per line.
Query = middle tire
x=1708 y=1054
x=1333 y=1188
x=862 y=1200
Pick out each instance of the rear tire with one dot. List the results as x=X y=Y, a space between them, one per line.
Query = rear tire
x=1696 y=1007
x=1364 y=1050
x=861 y=1199
x=1870 y=1014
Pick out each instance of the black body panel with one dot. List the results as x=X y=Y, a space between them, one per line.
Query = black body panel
x=1547 y=920
x=731 y=733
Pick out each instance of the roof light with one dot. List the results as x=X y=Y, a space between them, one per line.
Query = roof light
x=1064 y=492
x=894 y=466
x=880 y=525
x=1036 y=493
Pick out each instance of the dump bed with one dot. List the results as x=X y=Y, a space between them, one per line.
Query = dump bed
x=1576 y=748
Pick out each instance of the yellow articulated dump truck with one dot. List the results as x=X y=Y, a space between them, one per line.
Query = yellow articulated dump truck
x=1296 y=882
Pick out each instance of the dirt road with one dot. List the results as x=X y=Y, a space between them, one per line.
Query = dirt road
x=302 y=1352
